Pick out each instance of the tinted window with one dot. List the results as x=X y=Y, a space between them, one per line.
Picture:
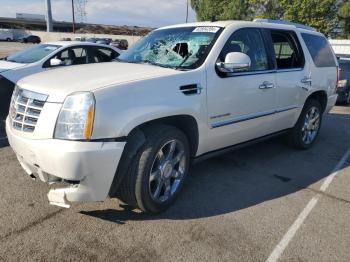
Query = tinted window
x=286 y=50
x=250 y=42
x=73 y=56
x=320 y=50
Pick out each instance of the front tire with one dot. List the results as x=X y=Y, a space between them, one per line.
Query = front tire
x=157 y=172
x=306 y=130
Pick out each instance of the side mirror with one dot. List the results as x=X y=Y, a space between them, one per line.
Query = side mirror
x=55 y=62
x=235 y=61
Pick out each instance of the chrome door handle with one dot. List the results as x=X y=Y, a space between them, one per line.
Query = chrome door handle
x=266 y=85
x=307 y=80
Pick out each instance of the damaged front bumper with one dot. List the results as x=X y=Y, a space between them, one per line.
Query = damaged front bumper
x=86 y=169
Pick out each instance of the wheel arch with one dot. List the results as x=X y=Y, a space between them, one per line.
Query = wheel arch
x=186 y=123
x=321 y=97
x=136 y=138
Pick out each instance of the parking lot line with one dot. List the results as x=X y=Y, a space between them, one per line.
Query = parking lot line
x=281 y=246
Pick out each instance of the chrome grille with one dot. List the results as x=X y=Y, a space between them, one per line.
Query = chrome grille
x=25 y=109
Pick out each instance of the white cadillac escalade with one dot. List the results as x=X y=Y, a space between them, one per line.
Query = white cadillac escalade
x=131 y=128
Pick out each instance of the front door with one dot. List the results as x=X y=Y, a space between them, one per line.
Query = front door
x=241 y=105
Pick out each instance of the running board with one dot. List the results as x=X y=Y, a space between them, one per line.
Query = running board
x=237 y=146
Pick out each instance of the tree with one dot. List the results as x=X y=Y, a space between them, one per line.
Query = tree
x=222 y=9
x=321 y=14
x=271 y=9
x=344 y=18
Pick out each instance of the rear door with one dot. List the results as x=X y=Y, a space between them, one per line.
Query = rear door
x=292 y=74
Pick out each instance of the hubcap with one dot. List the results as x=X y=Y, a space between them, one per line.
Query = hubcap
x=311 y=125
x=167 y=171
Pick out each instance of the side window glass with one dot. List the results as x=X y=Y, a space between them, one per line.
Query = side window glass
x=100 y=55
x=320 y=50
x=286 y=51
x=72 y=56
x=250 y=42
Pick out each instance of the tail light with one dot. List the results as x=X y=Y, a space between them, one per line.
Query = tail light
x=338 y=76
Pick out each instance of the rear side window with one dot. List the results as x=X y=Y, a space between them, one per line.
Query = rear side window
x=320 y=50
x=287 y=50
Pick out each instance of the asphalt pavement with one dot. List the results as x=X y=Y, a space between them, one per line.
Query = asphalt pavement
x=242 y=206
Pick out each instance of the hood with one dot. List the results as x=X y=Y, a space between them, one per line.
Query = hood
x=6 y=65
x=61 y=82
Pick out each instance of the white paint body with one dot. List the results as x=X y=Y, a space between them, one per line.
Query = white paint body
x=128 y=95
x=6 y=35
x=16 y=71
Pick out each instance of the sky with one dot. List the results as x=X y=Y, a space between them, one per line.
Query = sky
x=153 y=13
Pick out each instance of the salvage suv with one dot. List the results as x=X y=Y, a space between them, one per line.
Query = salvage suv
x=130 y=129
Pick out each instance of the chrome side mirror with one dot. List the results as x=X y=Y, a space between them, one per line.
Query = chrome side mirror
x=55 y=62
x=235 y=61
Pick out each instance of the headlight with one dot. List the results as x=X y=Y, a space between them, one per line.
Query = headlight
x=76 y=117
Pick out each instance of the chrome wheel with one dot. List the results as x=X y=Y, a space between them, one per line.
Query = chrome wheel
x=168 y=170
x=311 y=125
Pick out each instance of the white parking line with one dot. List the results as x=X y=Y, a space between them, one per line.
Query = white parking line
x=277 y=252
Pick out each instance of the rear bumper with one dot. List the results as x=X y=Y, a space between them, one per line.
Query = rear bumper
x=331 y=102
x=91 y=165
x=343 y=94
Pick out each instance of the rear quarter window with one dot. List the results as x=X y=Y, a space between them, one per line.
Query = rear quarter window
x=320 y=50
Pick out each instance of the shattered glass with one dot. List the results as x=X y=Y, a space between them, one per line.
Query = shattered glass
x=175 y=48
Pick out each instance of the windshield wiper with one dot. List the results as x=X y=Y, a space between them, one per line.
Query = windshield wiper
x=156 y=64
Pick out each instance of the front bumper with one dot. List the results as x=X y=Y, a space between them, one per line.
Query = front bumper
x=91 y=165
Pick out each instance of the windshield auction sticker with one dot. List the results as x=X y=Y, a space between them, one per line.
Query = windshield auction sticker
x=206 y=29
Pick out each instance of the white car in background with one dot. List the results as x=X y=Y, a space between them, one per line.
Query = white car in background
x=6 y=35
x=48 y=56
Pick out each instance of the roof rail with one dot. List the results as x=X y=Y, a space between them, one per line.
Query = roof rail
x=283 y=22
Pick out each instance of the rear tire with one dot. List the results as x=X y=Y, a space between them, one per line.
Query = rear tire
x=306 y=130
x=347 y=100
x=158 y=170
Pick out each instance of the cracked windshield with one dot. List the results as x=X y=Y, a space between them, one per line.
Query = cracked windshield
x=179 y=48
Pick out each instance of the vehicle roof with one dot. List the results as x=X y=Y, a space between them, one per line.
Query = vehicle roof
x=229 y=23
x=75 y=43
